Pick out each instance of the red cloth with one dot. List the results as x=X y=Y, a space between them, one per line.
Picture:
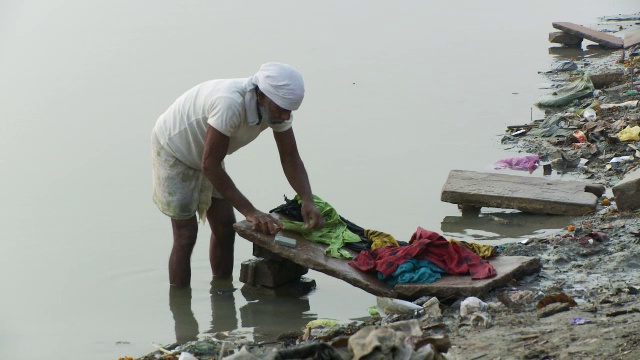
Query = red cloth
x=425 y=245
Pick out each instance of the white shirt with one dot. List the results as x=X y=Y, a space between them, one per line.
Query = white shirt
x=229 y=105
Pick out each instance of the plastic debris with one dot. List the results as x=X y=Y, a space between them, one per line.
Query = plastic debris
x=187 y=356
x=580 y=321
x=472 y=304
x=579 y=136
x=627 y=104
x=565 y=95
x=322 y=323
x=630 y=133
x=388 y=306
x=529 y=163
x=589 y=114
x=617 y=161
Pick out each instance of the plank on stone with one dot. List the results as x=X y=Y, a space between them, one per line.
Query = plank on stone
x=596 y=36
x=529 y=194
x=311 y=255
x=632 y=39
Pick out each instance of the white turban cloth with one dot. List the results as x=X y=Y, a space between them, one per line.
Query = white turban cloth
x=281 y=83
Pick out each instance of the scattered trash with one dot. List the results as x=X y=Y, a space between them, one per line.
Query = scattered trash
x=605 y=202
x=388 y=306
x=579 y=136
x=187 y=356
x=629 y=133
x=571 y=228
x=556 y=298
x=617 y=161
x=565 y=95
x=471 y=305
x=565 y=66
x=529 y=163
x=589 y=115
x=580 y=321
x=628 y=104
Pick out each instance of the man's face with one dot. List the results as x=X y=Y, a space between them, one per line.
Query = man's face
x=272 y=113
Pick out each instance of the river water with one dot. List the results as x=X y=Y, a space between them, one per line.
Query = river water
x=398 y=94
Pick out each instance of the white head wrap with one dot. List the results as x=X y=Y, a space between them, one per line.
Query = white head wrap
x=281 y=83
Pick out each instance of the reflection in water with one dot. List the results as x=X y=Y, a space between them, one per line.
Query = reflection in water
x=272 y=316
x=268 y=315
x=186 y=326
x=223 y=306
x=500 y=227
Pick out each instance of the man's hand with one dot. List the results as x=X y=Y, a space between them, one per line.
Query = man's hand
x=311 y=215
x=265 y=223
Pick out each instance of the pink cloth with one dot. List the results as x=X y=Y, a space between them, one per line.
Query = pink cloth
x=529 y=162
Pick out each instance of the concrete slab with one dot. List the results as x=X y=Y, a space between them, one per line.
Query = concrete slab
x=449 y=286
x=530 y=194
x=631 y=39
x=596 y=36
x=311 y=255
x=627 y=191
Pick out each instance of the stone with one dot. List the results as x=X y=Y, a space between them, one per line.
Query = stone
x=529 y=194
x=561 y=37
x=293 y=289
x=627 y=191
x=270 y=273
x=604 y=39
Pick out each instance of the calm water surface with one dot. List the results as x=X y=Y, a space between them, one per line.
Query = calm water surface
x=398 y=94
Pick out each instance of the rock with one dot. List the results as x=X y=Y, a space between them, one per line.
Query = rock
x=561 y=37
x=627 y=191
x=552 y=309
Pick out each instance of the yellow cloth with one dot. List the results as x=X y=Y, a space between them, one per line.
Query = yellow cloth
x=630 y=133
x=484 y=251
x=380 y=239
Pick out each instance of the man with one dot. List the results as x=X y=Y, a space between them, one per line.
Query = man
x=190 y=141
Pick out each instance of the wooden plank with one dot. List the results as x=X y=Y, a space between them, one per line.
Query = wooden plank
x=596 y=36
x=311 y=255
x=529 y=194
x=632 y=39
x=449 y=286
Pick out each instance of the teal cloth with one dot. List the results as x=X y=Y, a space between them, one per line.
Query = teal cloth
x=334 y=232
x=414 y=271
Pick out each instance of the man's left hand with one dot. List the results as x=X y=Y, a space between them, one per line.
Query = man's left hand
x=311 y=215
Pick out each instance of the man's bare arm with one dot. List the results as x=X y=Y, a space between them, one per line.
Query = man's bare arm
x=216 y=146
x=296 y=174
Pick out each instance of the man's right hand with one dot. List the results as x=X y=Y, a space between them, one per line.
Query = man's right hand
x=264 y=222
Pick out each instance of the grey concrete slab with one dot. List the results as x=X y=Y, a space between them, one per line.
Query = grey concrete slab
x=449 y=286
x=627 y=191
x=631 y=39
x=596 y=36
x=311 y=255
x=530 y=194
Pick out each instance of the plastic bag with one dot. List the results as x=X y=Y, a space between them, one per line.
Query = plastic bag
x=529 y=162
x=565 y=95
x=630 y=133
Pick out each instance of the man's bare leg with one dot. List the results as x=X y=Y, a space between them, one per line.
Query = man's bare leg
x=221 y=219
x=185 y=233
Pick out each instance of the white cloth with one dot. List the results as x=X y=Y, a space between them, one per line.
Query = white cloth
x=281 y=83
x=180 y=189
x=227 y=105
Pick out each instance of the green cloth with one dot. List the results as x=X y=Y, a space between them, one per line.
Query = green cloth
x=334 y=233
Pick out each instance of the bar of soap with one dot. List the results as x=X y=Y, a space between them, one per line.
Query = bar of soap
x=285 y=241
